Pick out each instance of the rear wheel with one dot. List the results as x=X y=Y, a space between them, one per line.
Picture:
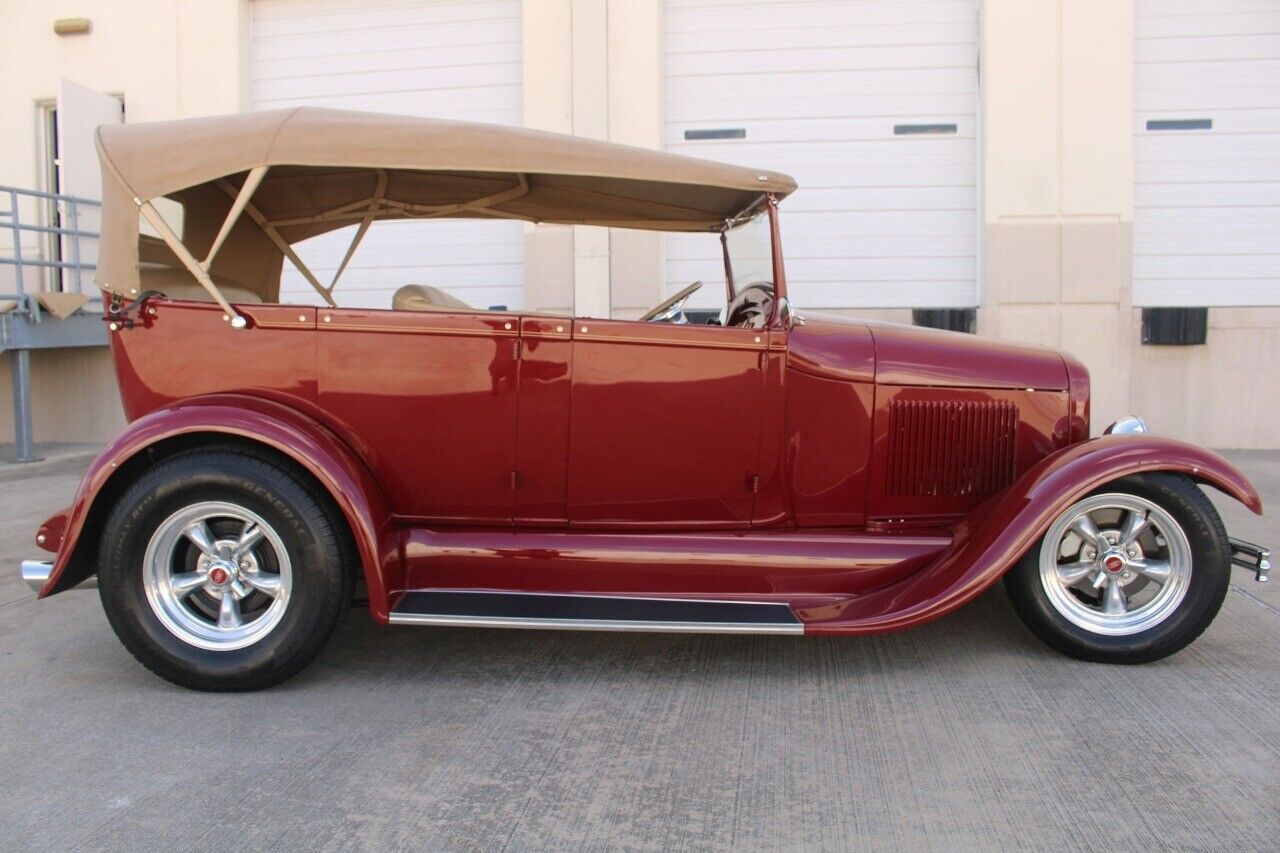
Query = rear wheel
x=1129 y=574
x=221 y=570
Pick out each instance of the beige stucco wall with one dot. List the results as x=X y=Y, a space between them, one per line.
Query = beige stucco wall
x=1057 y=194
x=1056 y=190
x=170 y=58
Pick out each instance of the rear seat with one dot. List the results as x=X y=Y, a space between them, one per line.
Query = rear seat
x=424 y=297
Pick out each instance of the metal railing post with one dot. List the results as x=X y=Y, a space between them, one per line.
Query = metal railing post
x=17 y=248
x=23 y=437
x=74 y=216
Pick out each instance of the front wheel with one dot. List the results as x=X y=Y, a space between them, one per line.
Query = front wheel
x=1132 y=573
x=222 y=570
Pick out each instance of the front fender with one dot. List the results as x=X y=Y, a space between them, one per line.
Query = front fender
x=346 y=478
x=1000 y=531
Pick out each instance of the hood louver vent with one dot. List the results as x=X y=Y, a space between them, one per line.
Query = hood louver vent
x=951 y=449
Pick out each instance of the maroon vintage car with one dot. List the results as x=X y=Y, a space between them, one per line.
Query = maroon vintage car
x=771 y=471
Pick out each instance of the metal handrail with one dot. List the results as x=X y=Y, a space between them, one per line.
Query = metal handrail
x=11 y=221
x=69 y=234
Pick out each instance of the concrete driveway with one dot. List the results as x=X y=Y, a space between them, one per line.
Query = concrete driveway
x=965 y=733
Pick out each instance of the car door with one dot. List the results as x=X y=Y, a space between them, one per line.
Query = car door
x=429 y=398
x=664 y=424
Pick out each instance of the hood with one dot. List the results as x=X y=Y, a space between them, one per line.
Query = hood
x=911 y=355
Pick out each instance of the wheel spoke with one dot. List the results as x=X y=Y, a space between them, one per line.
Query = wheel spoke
x=250 y=536
x=1134 y=525
x=198 y=533
x=187 y=583
x=1071 y=573
x=1114 y=601
x=1158 y=570
x=1085 y=528
x=229 y=612
x=263 y=581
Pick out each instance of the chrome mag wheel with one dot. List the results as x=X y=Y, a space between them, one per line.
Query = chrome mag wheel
x=1115 y=564
x=217 y=576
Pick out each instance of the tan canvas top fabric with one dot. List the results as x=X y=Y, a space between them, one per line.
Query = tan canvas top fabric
x=321 y=161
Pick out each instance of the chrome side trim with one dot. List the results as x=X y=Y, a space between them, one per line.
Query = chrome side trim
x=592 y=612
x=36 y=573
x=594 y=624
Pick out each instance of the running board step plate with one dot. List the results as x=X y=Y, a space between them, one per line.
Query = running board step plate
x=592 y=613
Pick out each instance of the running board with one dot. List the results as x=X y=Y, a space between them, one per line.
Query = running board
x=592 y=613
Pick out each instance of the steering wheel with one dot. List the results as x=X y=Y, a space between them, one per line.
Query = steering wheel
x=668 y=310
x=751 y=306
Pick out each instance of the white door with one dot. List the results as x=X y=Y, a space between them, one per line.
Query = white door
x=1207 y=153
x=81 y=111
x=871 y=105
x=453 y=59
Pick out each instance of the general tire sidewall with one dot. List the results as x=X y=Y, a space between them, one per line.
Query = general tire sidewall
x=1210 y=576
x=283 y=504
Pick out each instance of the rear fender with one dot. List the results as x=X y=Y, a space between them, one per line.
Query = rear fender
x=308 y=443
x=998 y=533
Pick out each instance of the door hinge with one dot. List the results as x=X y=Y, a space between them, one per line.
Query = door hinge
x=515 y=476
x=515 y=349
x=755 y=483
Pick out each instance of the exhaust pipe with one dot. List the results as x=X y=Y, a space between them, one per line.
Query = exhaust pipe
x=36 y=574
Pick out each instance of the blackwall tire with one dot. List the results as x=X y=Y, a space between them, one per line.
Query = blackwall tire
x=1098 y=594
x=222 y=570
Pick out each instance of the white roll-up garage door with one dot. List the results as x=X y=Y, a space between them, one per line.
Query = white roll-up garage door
x=1207 y=153
x=456 y=59
x=871 y=105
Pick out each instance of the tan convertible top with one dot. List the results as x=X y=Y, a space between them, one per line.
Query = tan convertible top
x=297 y=173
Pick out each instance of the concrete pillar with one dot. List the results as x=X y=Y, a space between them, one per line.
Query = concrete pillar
x=593 y=68
x=1057 y=107
x=635 y=118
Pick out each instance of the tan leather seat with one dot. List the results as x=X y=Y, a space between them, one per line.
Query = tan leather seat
x=180 y=284
x=424 y=297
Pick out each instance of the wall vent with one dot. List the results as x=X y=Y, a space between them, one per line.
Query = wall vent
x=951 y=448
x=1175 y=326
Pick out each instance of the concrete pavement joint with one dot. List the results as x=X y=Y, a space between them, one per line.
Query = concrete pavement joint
x=1255 y=600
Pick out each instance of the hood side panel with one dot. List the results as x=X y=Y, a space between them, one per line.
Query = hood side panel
x=910 y=355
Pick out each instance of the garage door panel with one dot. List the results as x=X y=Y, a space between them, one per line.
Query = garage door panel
x=823 y=137
x=876 y=293
x=1243 y=193
x=363 y=55
x=816 y=89
x=844 y=90
x=426 y=44
x=459 y=59
x=1207 y=201
x=1225 y=23
x=1206 y=292
x=712 y=15
x=1226 y=122
x=1209 y=242
x=421 y=80
x=1210 y=171
x=769 y=60
x=1231 y=48
x=339 y=16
